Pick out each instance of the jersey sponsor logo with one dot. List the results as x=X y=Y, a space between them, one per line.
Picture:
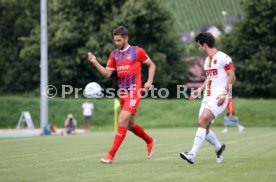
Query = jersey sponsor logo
x=123 y=68
x=211 y=73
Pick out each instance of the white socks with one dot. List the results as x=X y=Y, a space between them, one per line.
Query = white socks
x=199 y=138
x=212 y=139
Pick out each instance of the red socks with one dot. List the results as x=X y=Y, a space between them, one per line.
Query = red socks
x=119 y=138
x=139 y=131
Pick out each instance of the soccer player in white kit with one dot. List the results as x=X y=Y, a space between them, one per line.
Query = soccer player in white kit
x=220 y=76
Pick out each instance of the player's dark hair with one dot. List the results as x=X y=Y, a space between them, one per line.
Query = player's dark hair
x=205 y=37
x=120 y=30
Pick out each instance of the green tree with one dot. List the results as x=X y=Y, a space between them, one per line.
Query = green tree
x=16 y=20
x=252 y=47
x=72 y=27
x=76 y=27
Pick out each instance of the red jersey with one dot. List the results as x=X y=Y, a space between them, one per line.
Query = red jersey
x=128 y=63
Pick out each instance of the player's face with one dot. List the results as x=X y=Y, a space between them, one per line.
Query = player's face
x=120 y=42
x=202 y=48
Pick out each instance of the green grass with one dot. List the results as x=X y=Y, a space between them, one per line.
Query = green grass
x=193 y=14
x=152 y=113
x=249 y=156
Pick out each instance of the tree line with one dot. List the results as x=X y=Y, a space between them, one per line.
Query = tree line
x=251 y=45
x=76 y=27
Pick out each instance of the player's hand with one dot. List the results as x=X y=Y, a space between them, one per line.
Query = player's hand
x=221 y=98
x=194 y=94
x=147 y=85
x=91 y=58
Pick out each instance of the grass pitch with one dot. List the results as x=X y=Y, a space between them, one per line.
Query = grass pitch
x=249 y=156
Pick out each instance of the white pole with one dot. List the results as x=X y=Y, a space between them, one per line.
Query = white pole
x=43 y=65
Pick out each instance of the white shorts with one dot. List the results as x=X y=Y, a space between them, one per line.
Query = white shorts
x=211 y=103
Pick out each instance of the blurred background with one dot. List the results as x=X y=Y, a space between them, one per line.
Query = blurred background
x=244 y=29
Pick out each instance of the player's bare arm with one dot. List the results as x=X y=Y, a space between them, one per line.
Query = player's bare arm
x=151 y=72
x=231 y=79
x=197 y=92
x=105 y=72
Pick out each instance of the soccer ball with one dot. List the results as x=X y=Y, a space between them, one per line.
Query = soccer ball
x=92 y=90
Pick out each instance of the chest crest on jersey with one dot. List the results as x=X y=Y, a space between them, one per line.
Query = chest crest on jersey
x=128 y=57
x=117 y=57
x=215 y=61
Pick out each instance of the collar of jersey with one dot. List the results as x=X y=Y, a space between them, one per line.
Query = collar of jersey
x=125 y=49
x=211 y=56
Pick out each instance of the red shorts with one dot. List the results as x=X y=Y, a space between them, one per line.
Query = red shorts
x=129 y=103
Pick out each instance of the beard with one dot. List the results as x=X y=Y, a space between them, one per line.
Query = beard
x=121 y=47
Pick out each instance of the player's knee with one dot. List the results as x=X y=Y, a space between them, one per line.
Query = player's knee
x=202 y=122
x=202 y=125
x=130 y=126
x=123 y=122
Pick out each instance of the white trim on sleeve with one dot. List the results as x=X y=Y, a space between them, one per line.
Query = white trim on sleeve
x=108 y=68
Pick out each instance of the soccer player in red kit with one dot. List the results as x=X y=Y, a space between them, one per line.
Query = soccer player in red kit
x=127 y=61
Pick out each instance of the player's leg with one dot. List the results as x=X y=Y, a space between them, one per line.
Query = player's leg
x=124 y=118
x=225 y=130
x=122 y=130
x=219 y=146
x=240 y=127
x=212 y=138
x=139 y=131
x=85 y=122
x=203 y=123
x=88 y=122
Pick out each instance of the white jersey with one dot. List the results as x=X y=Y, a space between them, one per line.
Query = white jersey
x=87 y=108
x=216 y=77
